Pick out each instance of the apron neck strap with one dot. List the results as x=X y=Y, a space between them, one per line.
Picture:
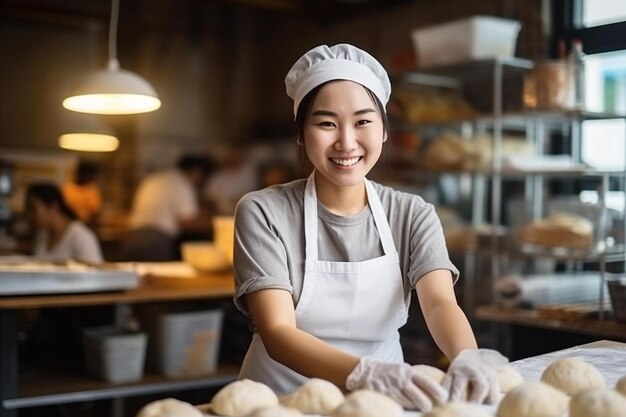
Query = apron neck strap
x=310 y=219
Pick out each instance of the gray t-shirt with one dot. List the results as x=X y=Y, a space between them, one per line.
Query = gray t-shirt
x=269 y=238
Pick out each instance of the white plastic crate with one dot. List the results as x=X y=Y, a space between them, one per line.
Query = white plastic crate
x=114 y=354
x=474 y=38
x=188 y=343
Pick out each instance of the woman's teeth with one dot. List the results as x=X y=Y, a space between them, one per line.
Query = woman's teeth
x=345 y=162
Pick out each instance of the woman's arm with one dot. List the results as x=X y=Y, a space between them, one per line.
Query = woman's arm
x=446 y=321
x=274 y=317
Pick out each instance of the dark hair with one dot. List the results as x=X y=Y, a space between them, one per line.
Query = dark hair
x=200 y=162
x=86 y=172
x=49 y=194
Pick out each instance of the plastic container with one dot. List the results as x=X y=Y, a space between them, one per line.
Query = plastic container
x=114 y=354
x=474 y=38
x=617 y=292
x=188 y=343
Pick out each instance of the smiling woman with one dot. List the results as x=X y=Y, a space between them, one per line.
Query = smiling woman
x=325 y=266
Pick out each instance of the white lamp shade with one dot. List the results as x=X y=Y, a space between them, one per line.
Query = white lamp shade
x=113 y=91
x=88 y=142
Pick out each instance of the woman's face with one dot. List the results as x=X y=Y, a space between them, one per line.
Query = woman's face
x=39 y=212
x=344 y=133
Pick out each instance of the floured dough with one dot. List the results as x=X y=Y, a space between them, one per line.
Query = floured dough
x=275 y=411
x=598 y=403
x=458 y=410
x=241 y=397
x=572 y=375
x=533 y=399
x=316 y=396
x=508 y=378
x=169 y=407
x=621 y=385
x=366 y=403
x=435 y=374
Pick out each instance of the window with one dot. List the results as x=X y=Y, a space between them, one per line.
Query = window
x=602 y=12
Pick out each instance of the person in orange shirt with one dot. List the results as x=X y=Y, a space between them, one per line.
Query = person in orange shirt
x=83 y=194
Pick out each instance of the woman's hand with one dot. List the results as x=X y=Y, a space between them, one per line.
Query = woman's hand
x=400 y=381
x=474 y=370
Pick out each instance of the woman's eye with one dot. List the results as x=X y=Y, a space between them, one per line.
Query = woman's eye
x=362 y=122
x=326 y=124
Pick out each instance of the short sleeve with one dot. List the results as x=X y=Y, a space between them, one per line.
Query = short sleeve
x=260 y=258
x=85 y=245
x=428 y=251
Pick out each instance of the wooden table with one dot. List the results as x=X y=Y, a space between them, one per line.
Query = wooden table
x=152 y=289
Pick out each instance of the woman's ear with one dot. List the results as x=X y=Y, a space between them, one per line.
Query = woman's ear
x=385 y=137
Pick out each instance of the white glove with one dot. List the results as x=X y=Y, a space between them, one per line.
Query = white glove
x=400 y=381
x=474 y=370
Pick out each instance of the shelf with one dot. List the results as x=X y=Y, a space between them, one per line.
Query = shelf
x=472 y=69
x=50 y=387
x=532 y=318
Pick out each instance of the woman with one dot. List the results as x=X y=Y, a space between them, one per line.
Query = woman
x=316 y=264
x=60 y=236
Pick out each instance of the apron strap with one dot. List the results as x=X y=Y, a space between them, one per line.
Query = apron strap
x=310 y=219
x=380 y=219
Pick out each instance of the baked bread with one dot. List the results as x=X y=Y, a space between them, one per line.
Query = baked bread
x=558 y=230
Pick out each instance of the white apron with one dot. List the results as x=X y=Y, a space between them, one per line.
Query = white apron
x=355 y=306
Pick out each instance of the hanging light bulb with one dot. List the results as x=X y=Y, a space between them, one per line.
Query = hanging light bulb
x=113 y=90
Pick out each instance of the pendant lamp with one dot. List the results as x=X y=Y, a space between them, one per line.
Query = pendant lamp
x=88 y=142
x=113 y=90
x=87 y=133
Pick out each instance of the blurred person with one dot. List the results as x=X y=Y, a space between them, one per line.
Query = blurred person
x=165 y=207
x=82 y=194
x=236 y=177
x=60 y=235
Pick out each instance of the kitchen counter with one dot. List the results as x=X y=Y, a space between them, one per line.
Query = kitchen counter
x=59 y=389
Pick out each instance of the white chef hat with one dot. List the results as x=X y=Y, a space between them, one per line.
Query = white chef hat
x=338 y=62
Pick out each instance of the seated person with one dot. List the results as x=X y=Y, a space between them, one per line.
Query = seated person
x=60 y=236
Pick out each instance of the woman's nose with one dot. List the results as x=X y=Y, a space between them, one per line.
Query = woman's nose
x=346 y=140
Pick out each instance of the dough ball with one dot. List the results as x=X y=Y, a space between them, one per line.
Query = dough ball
x=169 y=407
x=533 y=399
x=508 y=378
x=241 y=397
x=458 y=410
x=275 y=411
x=597 y=403
x=366 y=403
x=435 y=374
x=621 y=385
x=316 y=396
x=572 y=375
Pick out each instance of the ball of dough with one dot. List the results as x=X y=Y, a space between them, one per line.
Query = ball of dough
x=366 y=403
x=275 y=411
x=508 y=378
x=169 y=407
x=316 y=396
x=458 y=410
x=533 y=399
x=241 y=397
x=572 y=375
x=621 y=385
x=597 y=403
x=435 y=374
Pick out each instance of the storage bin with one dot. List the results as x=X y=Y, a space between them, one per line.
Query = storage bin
x=114 y=354
x=617 y=292
x=188 y=343
x=474 y=38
